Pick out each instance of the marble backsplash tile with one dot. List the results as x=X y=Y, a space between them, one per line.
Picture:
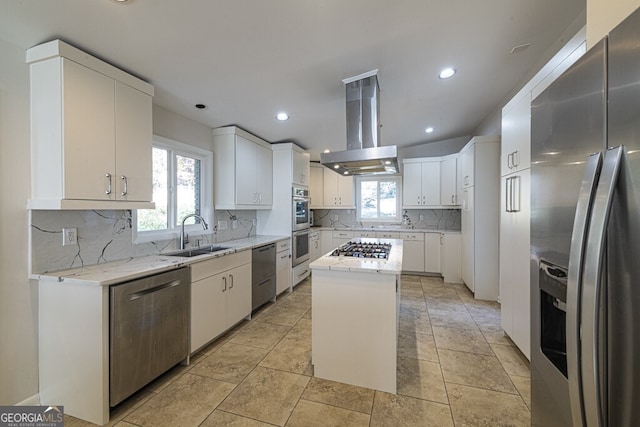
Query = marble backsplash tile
x=436 y=219
x=105 y=236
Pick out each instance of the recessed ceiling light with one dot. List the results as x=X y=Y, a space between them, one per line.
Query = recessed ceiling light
x=387 y=162
x=282 y=116
x=428 y=130
x=327 y=151
x=346 y=172
x=446 y=73
x=336 y=166
x=120 y=1
x=198 y=106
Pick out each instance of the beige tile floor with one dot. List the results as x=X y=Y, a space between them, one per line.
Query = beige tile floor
x=455 y=368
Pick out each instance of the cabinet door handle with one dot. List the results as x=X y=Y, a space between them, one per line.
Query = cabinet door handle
x=453 y=199
x=108 y=190
x=509 y=159
x=231 y=281
x=124 y=185
x=514 y=159
x=224 y=280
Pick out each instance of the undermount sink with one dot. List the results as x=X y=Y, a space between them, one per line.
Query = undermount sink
x=203 y=250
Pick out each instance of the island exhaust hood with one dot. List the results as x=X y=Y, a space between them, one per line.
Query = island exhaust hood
x=363 y=155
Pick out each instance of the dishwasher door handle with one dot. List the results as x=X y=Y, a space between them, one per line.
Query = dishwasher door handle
x=140 y=294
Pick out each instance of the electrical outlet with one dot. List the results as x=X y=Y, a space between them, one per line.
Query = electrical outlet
x=421 y=217
x=223 y=225
x=336 y=217
x=234 y=224
x=69 y=236
x=254 y=222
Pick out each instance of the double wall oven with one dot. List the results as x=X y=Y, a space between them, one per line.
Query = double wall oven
x=301 y=225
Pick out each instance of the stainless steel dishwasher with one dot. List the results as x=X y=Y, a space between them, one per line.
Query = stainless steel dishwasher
x=263 y=275
x=148 y=330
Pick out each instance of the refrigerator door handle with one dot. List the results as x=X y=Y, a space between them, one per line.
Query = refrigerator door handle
x=593 y=269
x=574 y=283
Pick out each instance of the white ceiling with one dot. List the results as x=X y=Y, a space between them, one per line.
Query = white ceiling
x=249 y=59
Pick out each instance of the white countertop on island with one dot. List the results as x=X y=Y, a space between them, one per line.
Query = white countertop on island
x=114 y=272
x=392 y=265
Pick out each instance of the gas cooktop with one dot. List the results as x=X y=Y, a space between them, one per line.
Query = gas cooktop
x=363 y=250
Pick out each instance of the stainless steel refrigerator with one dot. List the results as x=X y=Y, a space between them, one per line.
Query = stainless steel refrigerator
x=585 y=239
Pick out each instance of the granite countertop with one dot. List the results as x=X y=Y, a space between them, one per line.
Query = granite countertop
x=385 y=229
x=393 y=265
x=111 y=273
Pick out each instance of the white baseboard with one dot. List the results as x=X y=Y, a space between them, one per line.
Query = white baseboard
x=30 y=401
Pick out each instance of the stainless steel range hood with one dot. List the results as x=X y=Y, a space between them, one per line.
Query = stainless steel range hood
x=363 y=155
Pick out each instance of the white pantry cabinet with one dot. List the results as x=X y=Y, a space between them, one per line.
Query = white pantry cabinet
x=481 y=216
x=220 y=296
x=515 y=298
x=413 y=258
x=279 y=219
x=91 y=132
x=283 y=266
x=448 y=177
x=421 y=182
x=243 y=170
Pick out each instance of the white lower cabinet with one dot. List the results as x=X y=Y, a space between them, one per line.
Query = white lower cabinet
x=340 y=237
x=326 y=241
x=283 y=266
x=412 y=251
x=432 y=253
x=220 y=296
x=315 y=250
x=450 y=246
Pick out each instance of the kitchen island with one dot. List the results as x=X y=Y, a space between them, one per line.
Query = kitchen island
x=355 y=304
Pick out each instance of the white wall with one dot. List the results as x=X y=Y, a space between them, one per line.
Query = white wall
x=181 y=129
x=18 y=297
x=604 y=15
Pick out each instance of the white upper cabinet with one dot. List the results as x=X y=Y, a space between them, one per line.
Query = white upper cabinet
x=448 y=177
x=421 y=182
x=301 y=170
x=91 y=132
x=316 y=185
x=243 y=170
x=328 y=190
x=516 y=136
x=338 y=190
x=467 y=165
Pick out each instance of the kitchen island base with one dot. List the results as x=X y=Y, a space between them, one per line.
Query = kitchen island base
x=354 y=327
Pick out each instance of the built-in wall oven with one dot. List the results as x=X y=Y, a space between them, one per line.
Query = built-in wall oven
x=301 y=212
x=301 y=225
x=300 y=252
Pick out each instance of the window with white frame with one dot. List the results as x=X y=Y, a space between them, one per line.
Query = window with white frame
x=181 y=186
x=378 y=198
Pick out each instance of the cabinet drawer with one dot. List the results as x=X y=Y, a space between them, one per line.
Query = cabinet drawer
x=342 y=234
x=412 y=236
x=283 y=245
x=387 y=235
x=210 y=267
x=364 y=234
